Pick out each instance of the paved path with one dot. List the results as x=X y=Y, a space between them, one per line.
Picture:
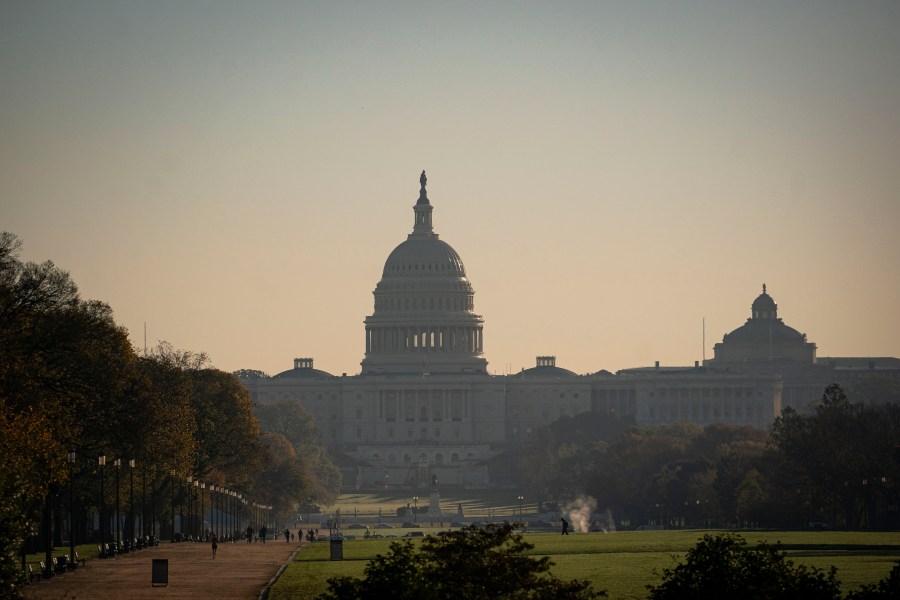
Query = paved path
x=239 y=571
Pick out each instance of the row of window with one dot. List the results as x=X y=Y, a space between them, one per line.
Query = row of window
x=544 y=395
x=705 y=392
x=428 y=267
x=421 y=304
x=437 y=459
x=423 y=433
x=739 y=411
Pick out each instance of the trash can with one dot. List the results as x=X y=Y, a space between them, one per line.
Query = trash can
x=160 y=573
x=337 y=549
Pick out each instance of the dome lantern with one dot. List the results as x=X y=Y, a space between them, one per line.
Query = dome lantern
x=764 y=307
x=422 y=226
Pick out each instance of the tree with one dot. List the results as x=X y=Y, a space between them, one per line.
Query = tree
x=539 y=464
x=838 y=460
x=723 y=566
x=290 y=419
x=475 y=563
x=26 y=447
x=627 y=480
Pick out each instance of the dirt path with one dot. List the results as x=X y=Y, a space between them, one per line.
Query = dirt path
x=239 y=571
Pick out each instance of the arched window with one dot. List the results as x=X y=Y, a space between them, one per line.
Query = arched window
x=438 y=459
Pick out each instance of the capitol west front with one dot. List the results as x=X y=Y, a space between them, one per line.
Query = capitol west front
x=424 y=404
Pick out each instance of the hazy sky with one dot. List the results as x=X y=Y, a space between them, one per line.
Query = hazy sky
x=235 y=174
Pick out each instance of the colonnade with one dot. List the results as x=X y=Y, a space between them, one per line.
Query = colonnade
x=467 y=339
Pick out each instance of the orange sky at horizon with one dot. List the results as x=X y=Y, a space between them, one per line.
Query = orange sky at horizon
x=611 y=174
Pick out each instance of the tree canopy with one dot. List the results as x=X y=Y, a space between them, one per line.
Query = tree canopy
x=724 y=566
x=70 y=381
x=476 y=563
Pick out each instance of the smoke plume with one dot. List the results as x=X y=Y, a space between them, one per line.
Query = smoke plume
x=579 y=512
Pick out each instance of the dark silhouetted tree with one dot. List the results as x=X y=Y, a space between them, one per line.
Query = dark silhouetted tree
x=723 y=566
x=474 y=563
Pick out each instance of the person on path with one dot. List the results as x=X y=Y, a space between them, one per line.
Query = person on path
x=263 y=531
x=565 y=526
x=287 y=536
x=215 y=544
x=249 y=534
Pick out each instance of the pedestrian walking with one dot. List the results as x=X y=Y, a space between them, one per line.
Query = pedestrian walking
x=214 y=542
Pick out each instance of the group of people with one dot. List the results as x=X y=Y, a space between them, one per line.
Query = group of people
x=253 y=536
x=310 y=535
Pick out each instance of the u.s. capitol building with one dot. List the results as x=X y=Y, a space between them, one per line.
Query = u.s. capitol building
x=424 y=403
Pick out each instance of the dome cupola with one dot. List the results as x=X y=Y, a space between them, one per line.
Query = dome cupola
x=423 y=319
x=764 y=337
x=764 y=307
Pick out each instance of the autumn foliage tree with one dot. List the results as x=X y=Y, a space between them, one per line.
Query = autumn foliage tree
x=70 y=380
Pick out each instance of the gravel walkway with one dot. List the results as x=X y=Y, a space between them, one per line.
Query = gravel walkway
x=239 y=570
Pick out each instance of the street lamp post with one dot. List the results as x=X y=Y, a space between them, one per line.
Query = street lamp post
x=118 y=463
x=190 y=506
x=153 y=505
x=198 y=518
x=144 y=501
x=202 y=511
x=172 y=474
x=229 y=512
x=520 y=498
x=48 y=532
x=415 y=509
x=217 y=516
x=101 y=462
x=131 y=465
x=230 y=516
x=71 y=458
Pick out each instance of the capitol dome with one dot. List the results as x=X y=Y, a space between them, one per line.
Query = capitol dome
x=424 y=256
x=423 y=320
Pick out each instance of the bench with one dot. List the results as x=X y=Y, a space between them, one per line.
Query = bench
x=44 y=571
x=77 y=560
x=32 y=574
x=60 y=564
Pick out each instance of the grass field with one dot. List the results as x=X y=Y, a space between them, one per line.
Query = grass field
x=622 y=563
x=475 y=503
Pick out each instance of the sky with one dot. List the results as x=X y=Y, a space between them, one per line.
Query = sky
x=613 y=174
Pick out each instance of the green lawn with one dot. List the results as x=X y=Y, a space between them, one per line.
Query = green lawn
x=622 y=563
x=475 y=503
x=86 y=551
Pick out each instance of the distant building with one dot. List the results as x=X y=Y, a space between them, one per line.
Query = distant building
x=766 y=346
x=424 y=403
